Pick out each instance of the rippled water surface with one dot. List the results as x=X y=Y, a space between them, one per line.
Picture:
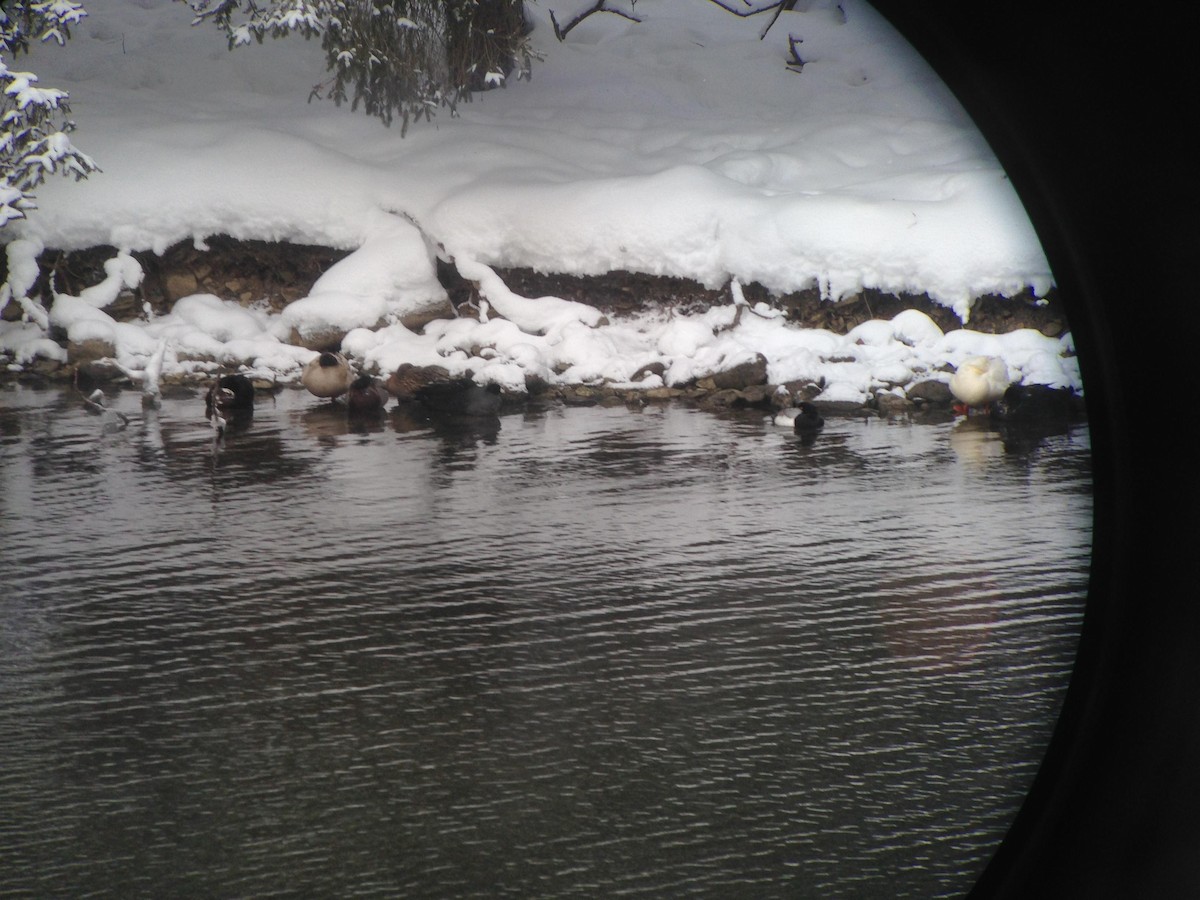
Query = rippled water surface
x=590 y=652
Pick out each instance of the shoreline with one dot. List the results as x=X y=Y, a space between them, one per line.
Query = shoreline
x=268 y=276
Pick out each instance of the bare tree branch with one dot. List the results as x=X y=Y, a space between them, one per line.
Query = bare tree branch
x=561 y=32
x=745 y=11
x=795 y=62
x=780 y=8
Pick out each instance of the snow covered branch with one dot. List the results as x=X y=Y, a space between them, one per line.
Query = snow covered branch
x=795 y=62
x=404 y=58
x=561 y=31
x=280 y=18
x=34 y=123
x=747 y=8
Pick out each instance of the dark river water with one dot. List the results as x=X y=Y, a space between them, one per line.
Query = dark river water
x=588 y=652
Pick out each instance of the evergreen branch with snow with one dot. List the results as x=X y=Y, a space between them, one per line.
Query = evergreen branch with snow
x=403 y=59
x=34 y=120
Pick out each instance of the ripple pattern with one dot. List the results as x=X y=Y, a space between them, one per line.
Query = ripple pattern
x=597 y=652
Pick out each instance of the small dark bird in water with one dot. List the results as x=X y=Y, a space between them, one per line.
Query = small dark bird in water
x=1034 y=403
x=328 y=375
x=366 y=395
x=461 y=397
x=808 y=419
x=231 y=393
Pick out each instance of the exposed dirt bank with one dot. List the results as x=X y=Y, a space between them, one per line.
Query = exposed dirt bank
x=279 y=273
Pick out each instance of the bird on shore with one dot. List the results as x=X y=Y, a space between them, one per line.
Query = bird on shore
x=978 y=382
x=327 y=375
x=460 y=397
x=230 y=393
x=366 y=395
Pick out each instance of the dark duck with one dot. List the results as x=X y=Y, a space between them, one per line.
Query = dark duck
x=808 y=420
x=230 y=394
x=460 y=397
x=804 y=418
x=366 y=395
x=1036 y=403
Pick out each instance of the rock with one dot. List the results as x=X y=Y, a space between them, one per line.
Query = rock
x=757 y=396
x=321 y=338
x=654 y=368
x=180 y=284
x=95 y=372
x=890 y=404
x=1054 y=328
x=126 y=308
x=752 y=372
x=662 y=393
x=419 y=318
x=580 y=395
x=535 y=384
x=847 y=408
x=723 y=399
x=931 y=391
x=80 y=353
x=797 y=392
x=778 y=396
x=44 y=367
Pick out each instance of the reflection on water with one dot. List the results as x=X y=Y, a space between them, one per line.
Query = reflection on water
x=577 y=652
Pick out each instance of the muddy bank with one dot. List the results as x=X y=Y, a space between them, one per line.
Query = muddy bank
x=276 y=273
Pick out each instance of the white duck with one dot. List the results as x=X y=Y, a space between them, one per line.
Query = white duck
x=327 y=375
x=979 y=381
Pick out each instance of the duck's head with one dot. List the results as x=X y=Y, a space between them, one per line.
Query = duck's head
x=366 y=395
x=231 y=392
x=327 y=375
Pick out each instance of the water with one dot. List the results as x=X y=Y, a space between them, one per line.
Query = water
x=589 y=653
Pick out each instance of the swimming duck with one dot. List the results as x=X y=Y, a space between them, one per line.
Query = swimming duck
x=461 y=397
x=328 y=375
x=978 y=382
x=803 y=417
x=230 y=393
x=808 y=419
x=1035 y=403
x=366 y=395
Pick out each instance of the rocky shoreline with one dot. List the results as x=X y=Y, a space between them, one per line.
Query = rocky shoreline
x=277 y=273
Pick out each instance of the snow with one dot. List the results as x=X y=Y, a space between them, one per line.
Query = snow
x=681 y=145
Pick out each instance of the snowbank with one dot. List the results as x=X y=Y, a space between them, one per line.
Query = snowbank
x=679 y=145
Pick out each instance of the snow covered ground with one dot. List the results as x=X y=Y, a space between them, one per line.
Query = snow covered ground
x=681 y=145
